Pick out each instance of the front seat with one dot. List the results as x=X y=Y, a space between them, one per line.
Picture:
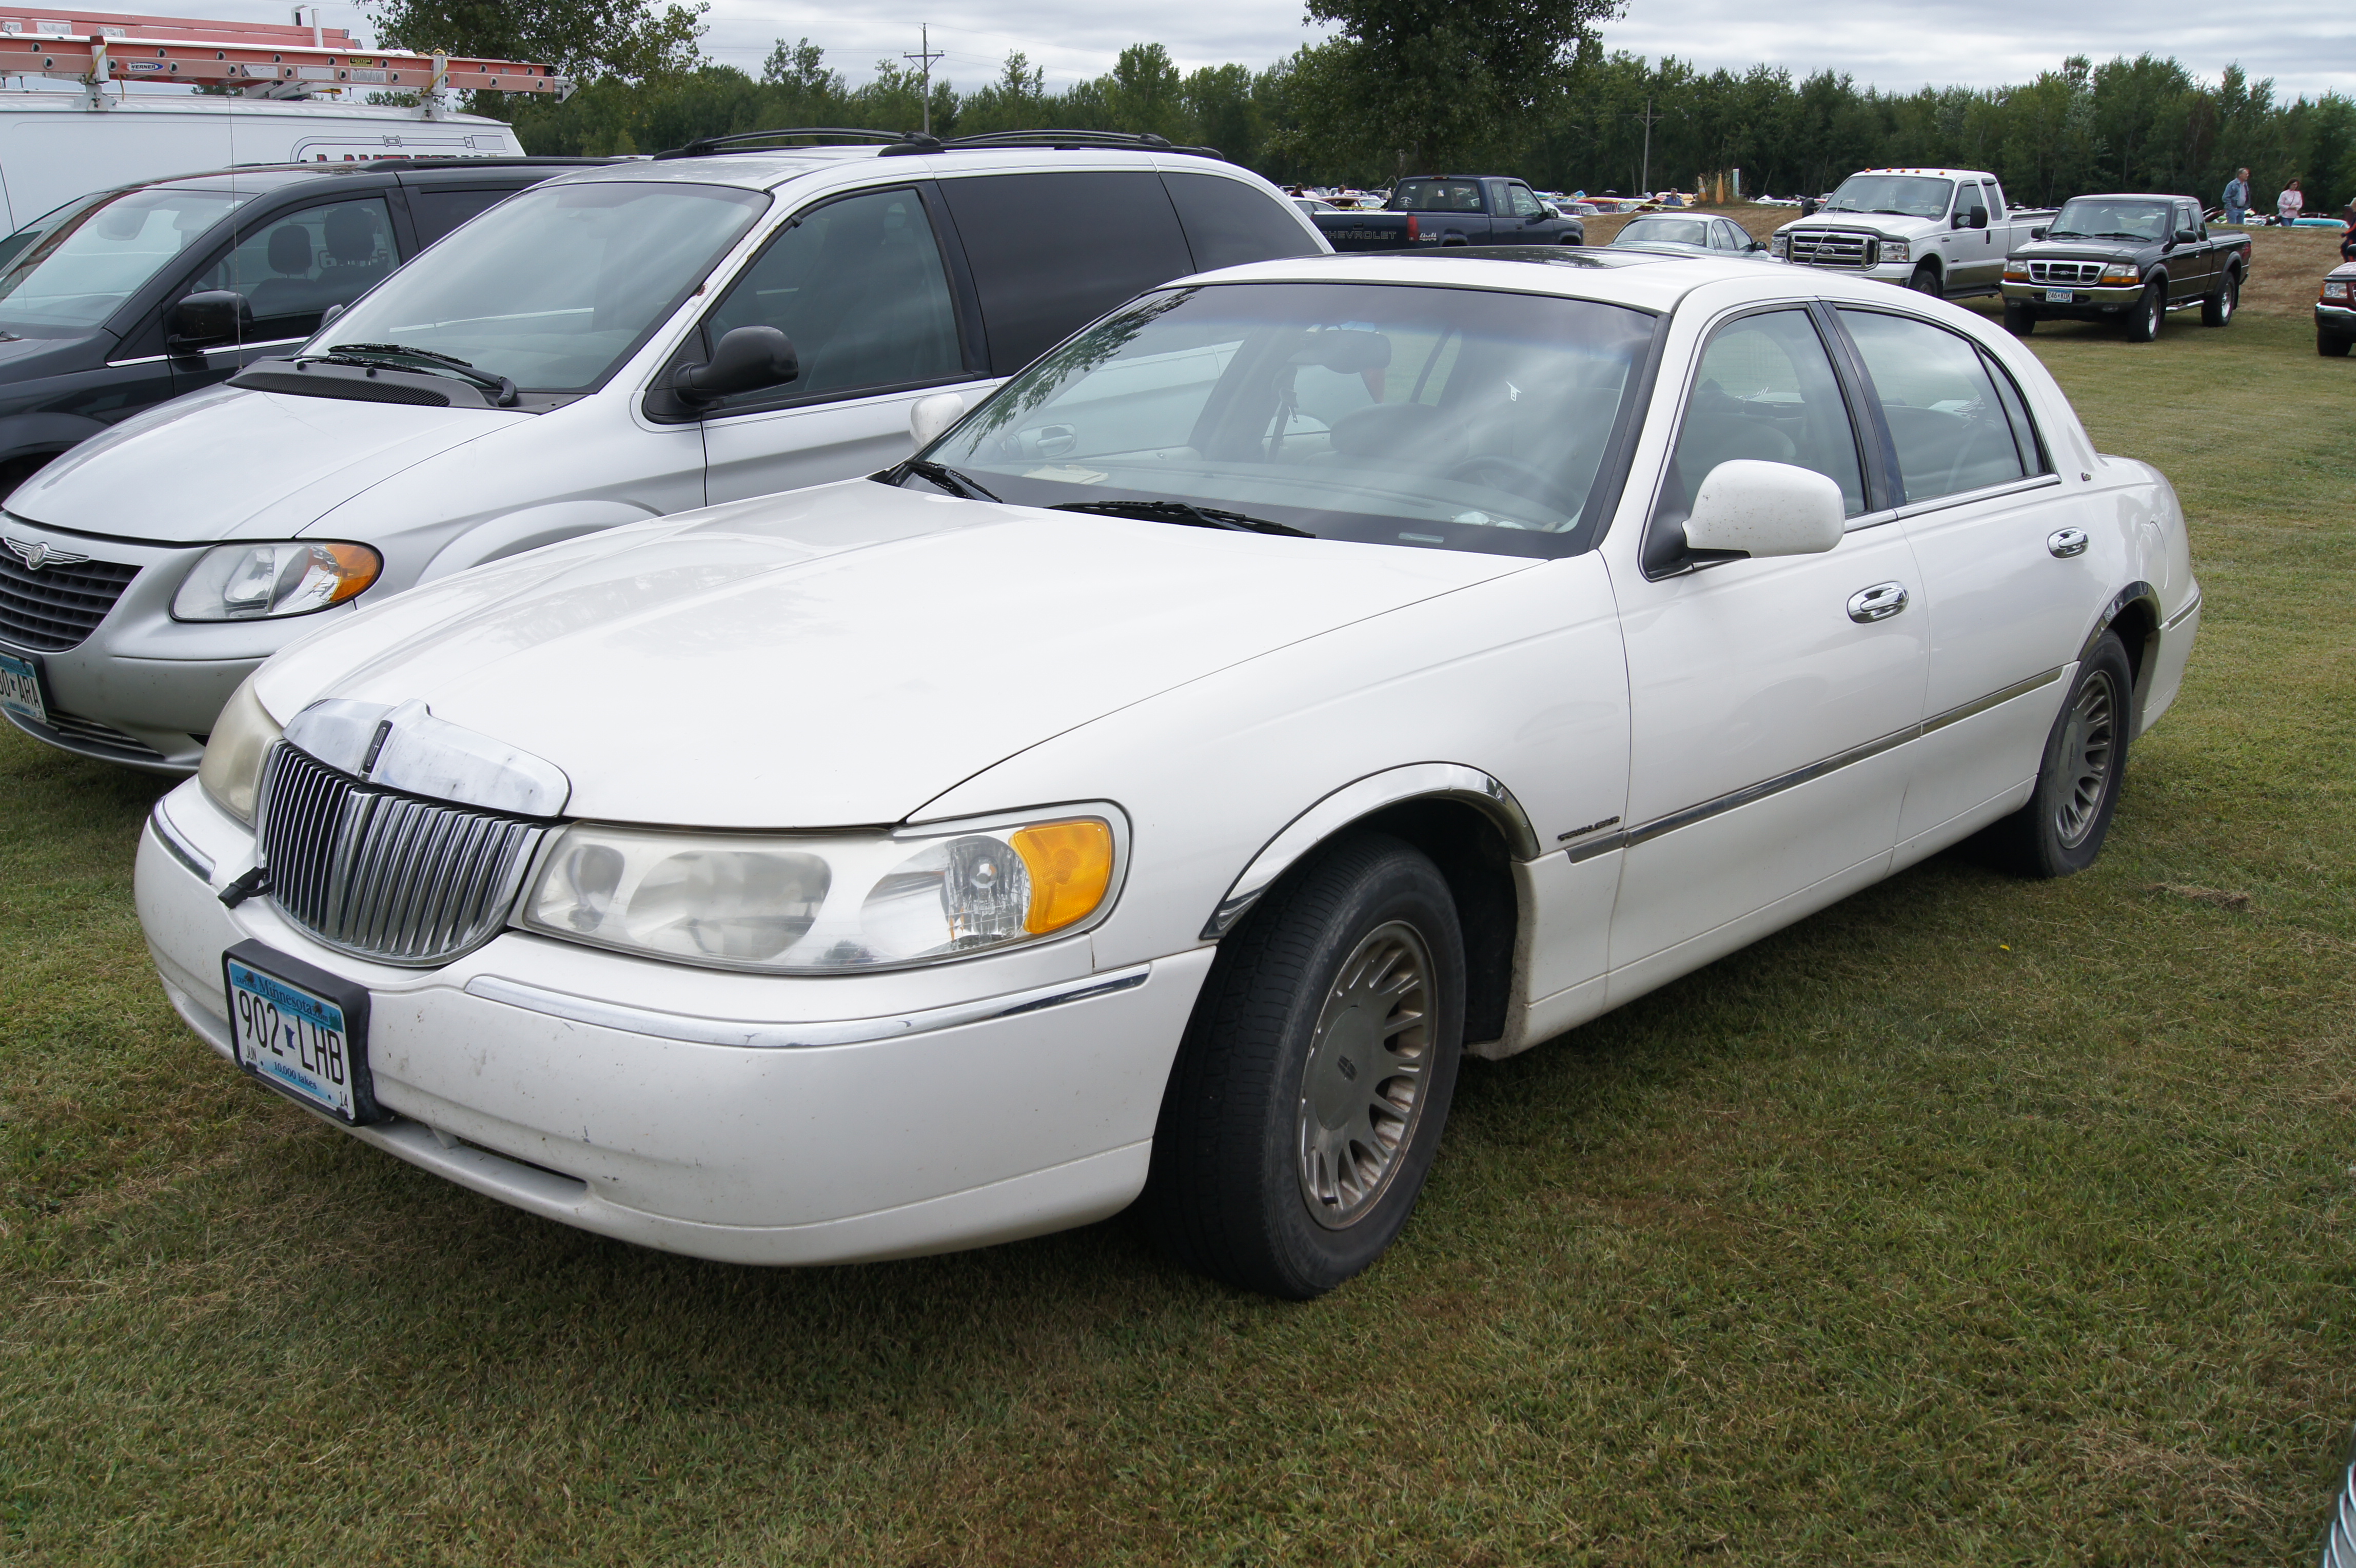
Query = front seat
x=291 y=291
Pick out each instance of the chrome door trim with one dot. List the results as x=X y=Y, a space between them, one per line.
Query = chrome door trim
x=1988 y=493
x=1643 y=832
x=1878 y=603
x=2191 y=607
x=754 y=1035
x=202 y=353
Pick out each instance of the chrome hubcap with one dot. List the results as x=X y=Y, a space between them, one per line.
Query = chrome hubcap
x=2089 y=744
x=1362 y=1090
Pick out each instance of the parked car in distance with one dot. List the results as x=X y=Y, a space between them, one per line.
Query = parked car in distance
x=1937 y=230
x=2126 y=259
x=93 y=297
x=1304 y=675
x=619 y=344
x=1697 y=235
x=2335 y=312
x=1458 y=210
x=1311 y=205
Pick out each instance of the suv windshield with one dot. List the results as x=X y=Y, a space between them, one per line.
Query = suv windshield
x=67 y=271
x=556 y=285
x=2094 y=219
x=1904 y=195
x=1446 y=418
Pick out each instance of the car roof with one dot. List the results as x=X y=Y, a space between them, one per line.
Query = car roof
x=250 y=179
x=767 y=168
x=1941 y=173
x=1645 y=279
x=2132 y=195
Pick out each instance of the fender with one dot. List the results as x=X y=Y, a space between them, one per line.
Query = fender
x=512 y=533
x=24 y=435
x=2137 y=592
x=1361 y=799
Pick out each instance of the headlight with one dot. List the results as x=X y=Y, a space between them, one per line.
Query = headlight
x=2121 y=272
x=2017 y=274
x=251 y=582
x=1897 y=251
x=822 y=904
x=2335 y=291
x=1779 y=246
x=242 y=738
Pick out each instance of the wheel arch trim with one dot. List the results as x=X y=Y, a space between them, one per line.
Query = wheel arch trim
x=1361 y=799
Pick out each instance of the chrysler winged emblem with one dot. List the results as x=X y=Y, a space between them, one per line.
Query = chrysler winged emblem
x=39 y=553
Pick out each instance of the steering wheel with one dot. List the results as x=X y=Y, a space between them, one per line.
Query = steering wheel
x=1533 y=483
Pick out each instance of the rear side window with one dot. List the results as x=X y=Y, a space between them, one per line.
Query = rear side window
x=439 y=210
x=1952 y=431
x=1228 y=222
x=294 y=266
x=1051 y=253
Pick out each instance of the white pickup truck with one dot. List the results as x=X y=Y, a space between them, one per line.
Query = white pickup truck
x=1940 y=231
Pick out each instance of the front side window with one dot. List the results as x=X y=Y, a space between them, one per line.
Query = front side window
x=858 y=284
x=556 y=287
x=1951 y=429
x=1898 y=195
x=292 y=267
x=1430 y=417
x=1521 y=202
x=1764 y=390
x=89 y=258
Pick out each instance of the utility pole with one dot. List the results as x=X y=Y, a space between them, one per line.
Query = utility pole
x=1644 y=181
x=925 y=57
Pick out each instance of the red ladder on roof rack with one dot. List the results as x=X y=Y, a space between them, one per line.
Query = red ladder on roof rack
x=95 y=47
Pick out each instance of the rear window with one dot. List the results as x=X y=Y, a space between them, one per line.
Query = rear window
x=1228 y=222
x=1437 y=196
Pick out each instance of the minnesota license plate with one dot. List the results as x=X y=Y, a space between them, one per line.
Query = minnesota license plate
x=301 y=1030
x=20 y=687
x=2056 y=297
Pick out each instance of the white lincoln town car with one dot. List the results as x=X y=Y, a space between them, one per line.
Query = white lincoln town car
x=1308 y=674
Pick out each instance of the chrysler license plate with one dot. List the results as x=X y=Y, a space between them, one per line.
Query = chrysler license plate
x=20 y=687
x=300 y=1030
x=2058 y=296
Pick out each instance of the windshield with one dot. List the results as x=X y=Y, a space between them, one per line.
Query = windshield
x=67 y=271
x=1904 y=195
x=1664 y=231
x=1437 y=195
x=2085 y=218
x=1442 y=418
x=556 y=285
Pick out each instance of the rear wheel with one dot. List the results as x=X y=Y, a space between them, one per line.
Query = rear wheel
x=1310 y=1091
x=2331 y=346
x=1926 y=281
x=2219 y=307
x=2061 y=831
x=2018 y=319
x=2143 y=325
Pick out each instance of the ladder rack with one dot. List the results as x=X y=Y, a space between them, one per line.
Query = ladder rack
x=95 y=47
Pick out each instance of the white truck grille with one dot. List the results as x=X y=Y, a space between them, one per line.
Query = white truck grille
x=1834 y=248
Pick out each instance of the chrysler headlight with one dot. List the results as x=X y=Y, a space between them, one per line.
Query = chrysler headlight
x=240 y=743
x=255 y=582
x=819 y=904
x=1897 y=251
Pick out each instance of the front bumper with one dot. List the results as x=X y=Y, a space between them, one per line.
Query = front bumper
x=2339 y=320
x=596 y=1089
x=2085 y=304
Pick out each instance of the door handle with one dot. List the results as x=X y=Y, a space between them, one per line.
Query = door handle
x=2067 y=541
x=1879 y=602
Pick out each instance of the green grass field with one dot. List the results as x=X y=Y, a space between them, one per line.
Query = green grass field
x=1969 y=1221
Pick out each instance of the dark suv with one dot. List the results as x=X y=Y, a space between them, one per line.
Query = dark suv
x=92 y=328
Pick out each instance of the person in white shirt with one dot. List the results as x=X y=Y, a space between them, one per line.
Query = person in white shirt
x=2289 y=204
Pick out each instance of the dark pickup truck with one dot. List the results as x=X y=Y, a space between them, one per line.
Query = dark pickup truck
x=1454 y=210
x=2129 y=258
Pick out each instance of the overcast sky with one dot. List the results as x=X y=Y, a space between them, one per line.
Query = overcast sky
x=2307 y=46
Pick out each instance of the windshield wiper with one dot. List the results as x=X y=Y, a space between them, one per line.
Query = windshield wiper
x=388 y=356
x=947 y=478
x=1188 y=514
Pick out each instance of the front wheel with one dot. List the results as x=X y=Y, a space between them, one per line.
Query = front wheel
x=2330 y=345
x=2143 y=326
x=1315 y=1076
x=2018 y=319
x=2219 y=307
x=1926 y=281
x=2062 y=829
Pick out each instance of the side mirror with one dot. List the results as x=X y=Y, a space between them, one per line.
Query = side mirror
x=928 y=417
x=2038 y=233
x=207 y=319
x=747 y=358
x=1977 y=218
x=1807 y=207
x=327 y=316
x=1749 y=508
x=1758 y=245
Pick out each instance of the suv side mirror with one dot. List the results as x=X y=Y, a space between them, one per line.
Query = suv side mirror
x=1749 y=508
x=2038 y=233
x=207 y=319
x=746 y=360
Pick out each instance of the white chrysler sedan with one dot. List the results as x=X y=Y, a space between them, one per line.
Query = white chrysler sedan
x=1307 y=674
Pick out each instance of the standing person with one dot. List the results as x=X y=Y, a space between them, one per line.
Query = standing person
x=2237 y=196
x=2289 y=204
x=2348 y=235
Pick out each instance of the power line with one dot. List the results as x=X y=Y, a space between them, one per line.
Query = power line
x=926 y=55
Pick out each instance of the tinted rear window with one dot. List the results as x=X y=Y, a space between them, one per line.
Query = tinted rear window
x=1229 y=222
x=1052 y=251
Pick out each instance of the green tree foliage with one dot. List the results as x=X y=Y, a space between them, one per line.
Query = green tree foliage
x=590 y=39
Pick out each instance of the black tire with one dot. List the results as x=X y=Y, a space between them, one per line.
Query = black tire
x=2143 y=324
x=2018 y=319
x=1926 y=281
x=2061 y=831
x=2217 y=310
x=1265 y=1055
x=2331 y=346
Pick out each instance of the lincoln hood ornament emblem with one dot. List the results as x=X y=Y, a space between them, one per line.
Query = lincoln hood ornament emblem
x=39 y=552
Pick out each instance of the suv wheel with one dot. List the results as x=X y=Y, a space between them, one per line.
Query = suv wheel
x=1308 y=1096
x=2143 y=326
x=1926 y=281
x=2018 y=318
x=2219 y=307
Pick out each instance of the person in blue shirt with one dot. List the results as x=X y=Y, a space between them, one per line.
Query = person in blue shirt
x=2237 y=196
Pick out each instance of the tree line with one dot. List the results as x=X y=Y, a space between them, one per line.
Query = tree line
x=1407 y=86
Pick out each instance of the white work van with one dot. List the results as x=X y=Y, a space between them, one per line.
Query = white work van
x=56 y=146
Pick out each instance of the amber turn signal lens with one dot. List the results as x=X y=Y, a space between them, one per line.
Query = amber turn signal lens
x=356 y=567
x=1071 y=867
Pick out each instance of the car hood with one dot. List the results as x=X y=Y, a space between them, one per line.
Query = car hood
x=234 y=464
x=839 y=657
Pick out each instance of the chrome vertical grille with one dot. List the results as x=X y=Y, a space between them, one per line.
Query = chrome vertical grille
x=385 y=875
x=1833 y=248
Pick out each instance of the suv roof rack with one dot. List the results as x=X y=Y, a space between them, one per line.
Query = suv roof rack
x=910 y=144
